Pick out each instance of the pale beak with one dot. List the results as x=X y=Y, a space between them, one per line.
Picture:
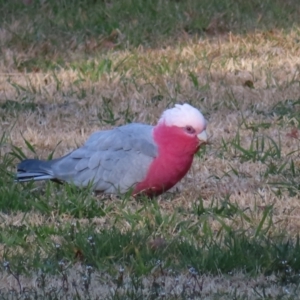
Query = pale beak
x=202 y=136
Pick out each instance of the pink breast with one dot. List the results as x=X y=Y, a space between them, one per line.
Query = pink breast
x=176 y=150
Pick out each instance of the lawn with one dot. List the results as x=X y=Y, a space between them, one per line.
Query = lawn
x=230 y=228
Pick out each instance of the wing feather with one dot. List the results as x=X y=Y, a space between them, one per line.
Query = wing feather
x=80 y=153
x=84 y=177
x=82 y=164
x=95 y=159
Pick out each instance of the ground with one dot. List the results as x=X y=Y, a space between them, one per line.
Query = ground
x=230 y=228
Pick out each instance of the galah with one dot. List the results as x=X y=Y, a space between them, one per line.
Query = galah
x=135 y=157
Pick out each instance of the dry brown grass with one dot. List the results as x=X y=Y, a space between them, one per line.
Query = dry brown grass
x=271 y=61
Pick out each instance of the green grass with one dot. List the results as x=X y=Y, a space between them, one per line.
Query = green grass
x=188 y=239
x=89 y=64
x=96 y=25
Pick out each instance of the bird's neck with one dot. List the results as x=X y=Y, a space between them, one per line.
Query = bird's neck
x=173 y=141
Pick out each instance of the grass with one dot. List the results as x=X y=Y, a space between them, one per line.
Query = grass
x=230 y=229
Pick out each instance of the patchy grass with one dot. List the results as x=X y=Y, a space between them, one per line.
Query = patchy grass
x=230 y=228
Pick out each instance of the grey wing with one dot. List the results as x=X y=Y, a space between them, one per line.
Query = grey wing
x=112 y=161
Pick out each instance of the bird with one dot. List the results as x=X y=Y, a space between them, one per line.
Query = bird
x=135 y=158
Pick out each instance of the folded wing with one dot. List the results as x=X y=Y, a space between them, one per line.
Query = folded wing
x=111 y=161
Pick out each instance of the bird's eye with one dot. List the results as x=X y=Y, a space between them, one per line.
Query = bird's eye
x=190 y=129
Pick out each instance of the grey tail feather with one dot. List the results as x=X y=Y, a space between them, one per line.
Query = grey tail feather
x=34 y=169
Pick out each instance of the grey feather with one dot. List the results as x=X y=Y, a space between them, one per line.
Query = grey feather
x=113 y=160
x=95 y=159
x=84 y=178
x=101 y=185
x=82 y=164
x=108 y=164
x=80 y=153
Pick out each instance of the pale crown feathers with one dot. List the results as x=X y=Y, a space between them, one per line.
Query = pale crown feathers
x=182 y=116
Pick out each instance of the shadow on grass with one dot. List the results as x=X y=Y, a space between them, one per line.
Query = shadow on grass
x=48 y=28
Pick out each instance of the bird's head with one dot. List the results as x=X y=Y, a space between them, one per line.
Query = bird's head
x=186 y=118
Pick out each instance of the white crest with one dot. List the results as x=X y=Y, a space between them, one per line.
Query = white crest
x=182 y=116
